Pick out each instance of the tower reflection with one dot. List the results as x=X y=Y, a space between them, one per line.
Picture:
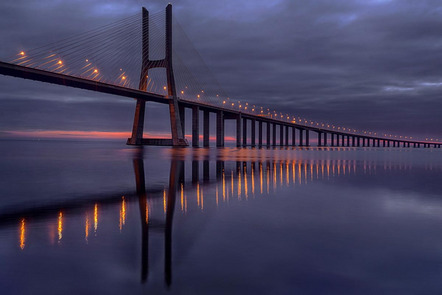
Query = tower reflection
x=236 y=180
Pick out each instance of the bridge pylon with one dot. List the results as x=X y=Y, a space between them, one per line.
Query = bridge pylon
x=177 y=129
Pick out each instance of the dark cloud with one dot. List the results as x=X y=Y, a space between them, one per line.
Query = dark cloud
x=373 y=65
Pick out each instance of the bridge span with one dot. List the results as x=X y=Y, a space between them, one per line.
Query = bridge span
x=263 y=131
x=290 y=134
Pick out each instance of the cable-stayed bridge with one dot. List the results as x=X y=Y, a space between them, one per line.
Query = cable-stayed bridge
x=134 y=57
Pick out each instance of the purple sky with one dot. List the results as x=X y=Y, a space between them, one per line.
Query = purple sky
x=371 y=64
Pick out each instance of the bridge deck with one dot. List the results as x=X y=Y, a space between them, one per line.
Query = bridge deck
x=81 y=83
x=71 y=81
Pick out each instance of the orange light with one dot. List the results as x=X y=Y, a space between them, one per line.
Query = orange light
x=60 y=62
x=182 y=92
x=124 y=77
x=60 y=226
x=22 y=53
x=95 y=71
x=95 y=218
x=122 y=213
x=22 y=234
x=164 y=87
x=198 y=96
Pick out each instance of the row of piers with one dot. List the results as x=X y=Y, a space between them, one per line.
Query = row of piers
x=258 y=131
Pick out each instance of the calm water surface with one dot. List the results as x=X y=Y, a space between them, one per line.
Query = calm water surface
x=104 y=218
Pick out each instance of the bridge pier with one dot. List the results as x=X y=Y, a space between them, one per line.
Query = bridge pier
x=175 y=109
x=319 y=138
x=307 y=137
x=260 y=133
x=332 y=143
x=244 y=132
x=274 y=134
x=301 y=137
x=293 y=136
x=286 y=135
x=195 y=126
x=253 y=131
x=220 y=129
x=281 y=135
x=182 y=112
x=238 y=130
x=325 y=138
x=206 y=128
x=138 y=125
x=268 y=135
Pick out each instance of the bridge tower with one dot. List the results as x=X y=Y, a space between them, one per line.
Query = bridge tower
x=177 y=129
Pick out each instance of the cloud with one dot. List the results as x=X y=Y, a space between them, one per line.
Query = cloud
x=367 y=64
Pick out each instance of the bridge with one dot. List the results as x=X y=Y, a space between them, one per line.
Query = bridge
x=50 y=65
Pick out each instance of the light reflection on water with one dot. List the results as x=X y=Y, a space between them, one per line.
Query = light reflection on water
x=304 y=206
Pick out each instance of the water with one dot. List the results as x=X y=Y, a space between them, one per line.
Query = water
x=76 y=218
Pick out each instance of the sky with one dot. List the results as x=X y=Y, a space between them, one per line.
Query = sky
x=370 y=65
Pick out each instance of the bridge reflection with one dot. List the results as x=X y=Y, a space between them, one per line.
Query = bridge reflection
x=233 y=181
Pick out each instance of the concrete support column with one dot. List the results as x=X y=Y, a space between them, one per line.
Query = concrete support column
x=348 y=140
x=301 y=137
x=253 y=131
x=260 y=133
x=286 y=135
x=307 y=137
x=319 y=138
x=353 y=141
x=342 y=140
x=238 y=130
x=138 y=126
x=274 y=134
x=220 y=129
x=332 y=139
x=182 y=111
x=195 y=126
x=268 y=134
x=206 y=129
x=281 y=135
x=244 y=131
x=325 y=139
x=293 y=136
